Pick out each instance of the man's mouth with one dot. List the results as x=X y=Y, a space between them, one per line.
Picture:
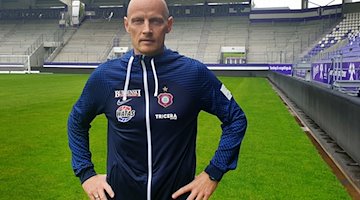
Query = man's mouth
x=147 y=40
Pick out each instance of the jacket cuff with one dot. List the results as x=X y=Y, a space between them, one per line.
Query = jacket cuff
x=86 y=173
x=214 y=172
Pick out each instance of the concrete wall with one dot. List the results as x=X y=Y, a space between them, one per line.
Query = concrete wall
x=37 y=57
x=242 y=73
x=336 y=113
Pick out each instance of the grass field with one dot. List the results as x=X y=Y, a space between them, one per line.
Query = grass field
x=277 y=159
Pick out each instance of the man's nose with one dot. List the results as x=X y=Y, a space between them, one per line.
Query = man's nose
x=147 y=28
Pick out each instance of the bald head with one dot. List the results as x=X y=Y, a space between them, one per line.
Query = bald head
x=136 y=4
x=148 y=22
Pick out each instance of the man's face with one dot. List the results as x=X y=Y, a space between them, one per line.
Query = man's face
x=147 y=25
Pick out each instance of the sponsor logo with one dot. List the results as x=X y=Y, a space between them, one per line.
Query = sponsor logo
x=130 y=93
x=352 y=71
x=125 y=113
x=121 y=102
x=321 y=71
x=280 y=68
x=165 y=99
x=316 y=70
x=170 y=116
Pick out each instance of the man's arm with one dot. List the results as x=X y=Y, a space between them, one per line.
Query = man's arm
x=225 y=158
x=217 y=100
x=233 y=126
x=78 y=136
x=90 y=104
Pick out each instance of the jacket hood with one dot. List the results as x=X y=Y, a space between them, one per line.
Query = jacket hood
x=167 y=56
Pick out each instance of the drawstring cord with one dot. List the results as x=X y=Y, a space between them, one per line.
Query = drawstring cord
x=127 y=80
x=155 y=78
x=128 y=73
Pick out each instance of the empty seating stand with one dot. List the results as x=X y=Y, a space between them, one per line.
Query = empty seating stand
x=346 y=28
x=16 y=36
x=91 y=43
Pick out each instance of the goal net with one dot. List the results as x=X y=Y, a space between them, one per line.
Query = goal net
x=15 y=64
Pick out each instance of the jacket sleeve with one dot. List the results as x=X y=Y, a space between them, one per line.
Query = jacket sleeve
x=89 y=105
x=217 y=100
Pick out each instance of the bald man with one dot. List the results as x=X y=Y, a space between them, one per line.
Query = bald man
x=151 y=98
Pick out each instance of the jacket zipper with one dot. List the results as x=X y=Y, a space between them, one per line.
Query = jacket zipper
x=148 y=130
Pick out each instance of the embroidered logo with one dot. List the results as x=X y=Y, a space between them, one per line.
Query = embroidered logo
x=130 y=93
x=170 y=116
x=125 y=113
x=121 y=102
x=165 y=99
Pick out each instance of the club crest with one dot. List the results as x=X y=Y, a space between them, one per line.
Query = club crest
x=125 y=113
x=165 y=99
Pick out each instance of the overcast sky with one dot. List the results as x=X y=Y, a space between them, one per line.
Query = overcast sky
x=294 y=4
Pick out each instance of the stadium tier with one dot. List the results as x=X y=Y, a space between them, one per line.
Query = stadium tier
x=91 y=42
x=337 y=41
x=16 y=36
x=277 y=39
x=197 y=37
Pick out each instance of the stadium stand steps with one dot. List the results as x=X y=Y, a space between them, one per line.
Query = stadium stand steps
x=69 y=32
x=344 y=29
x=9 y=32
x=200 y=53
x=90 y=43
x=23 y=35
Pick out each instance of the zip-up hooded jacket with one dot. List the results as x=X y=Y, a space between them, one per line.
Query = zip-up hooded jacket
x=152 y=105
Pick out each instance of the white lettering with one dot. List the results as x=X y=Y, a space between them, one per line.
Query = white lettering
x=337 y=73
x=280 y=68
x=117 y=93
x=130 y=93
x=171 y=116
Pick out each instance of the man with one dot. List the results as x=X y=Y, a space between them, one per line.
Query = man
x=152 y=97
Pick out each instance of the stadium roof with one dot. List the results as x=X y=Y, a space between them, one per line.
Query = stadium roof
x=48 y=3
x=170 y=2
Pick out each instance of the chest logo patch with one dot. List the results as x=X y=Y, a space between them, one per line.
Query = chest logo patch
x=125 y=113
x=170 y=116
x=129 y=93
x=165 y=99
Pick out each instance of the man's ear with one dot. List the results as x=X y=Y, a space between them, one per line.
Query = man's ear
x=170 y=23
x=126 y=24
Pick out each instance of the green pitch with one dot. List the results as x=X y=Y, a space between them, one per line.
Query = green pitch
x=277 y=160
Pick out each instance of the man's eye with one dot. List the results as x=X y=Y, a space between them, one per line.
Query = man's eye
x=137 y=21
x=157 y=21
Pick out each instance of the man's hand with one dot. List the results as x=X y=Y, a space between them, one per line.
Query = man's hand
x=201 y=188
x=96 y=186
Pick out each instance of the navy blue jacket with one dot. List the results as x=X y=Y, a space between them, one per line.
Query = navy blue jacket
x=152 y=105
